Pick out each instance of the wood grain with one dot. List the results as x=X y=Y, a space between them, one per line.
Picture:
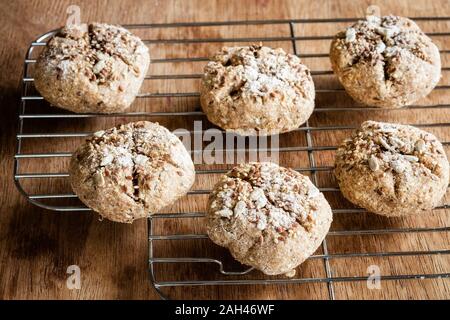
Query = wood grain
x=37 y=245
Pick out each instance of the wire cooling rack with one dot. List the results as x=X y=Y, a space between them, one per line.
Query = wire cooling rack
x=180 y=255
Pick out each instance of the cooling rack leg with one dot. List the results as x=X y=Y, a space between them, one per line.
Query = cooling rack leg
x=151 y=270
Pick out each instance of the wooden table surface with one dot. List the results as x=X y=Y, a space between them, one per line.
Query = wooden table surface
x=37 y=245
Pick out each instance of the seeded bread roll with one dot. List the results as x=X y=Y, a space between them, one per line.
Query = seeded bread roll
x=269 y=217
x=131 y=171
x=386 y=62
x=256 y=91
x=392 y=169
x=92 y=68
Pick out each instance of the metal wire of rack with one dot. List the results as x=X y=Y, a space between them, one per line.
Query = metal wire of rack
x=313 y=168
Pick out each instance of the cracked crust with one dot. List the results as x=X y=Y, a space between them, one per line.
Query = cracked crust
x=269 y=217
x=392 y=169
x=256 y=90
x=386 y=62
x=131 y=171
x=92 y=68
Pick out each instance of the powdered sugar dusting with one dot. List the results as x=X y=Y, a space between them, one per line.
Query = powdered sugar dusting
x=141 y=160
x=280 y=219
x=382 y=38
x=64 y=66
x=267 y=195
x=137 y=147
x=267 y=73
x=263 y=71
x=389 y=147
x=263 y=84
